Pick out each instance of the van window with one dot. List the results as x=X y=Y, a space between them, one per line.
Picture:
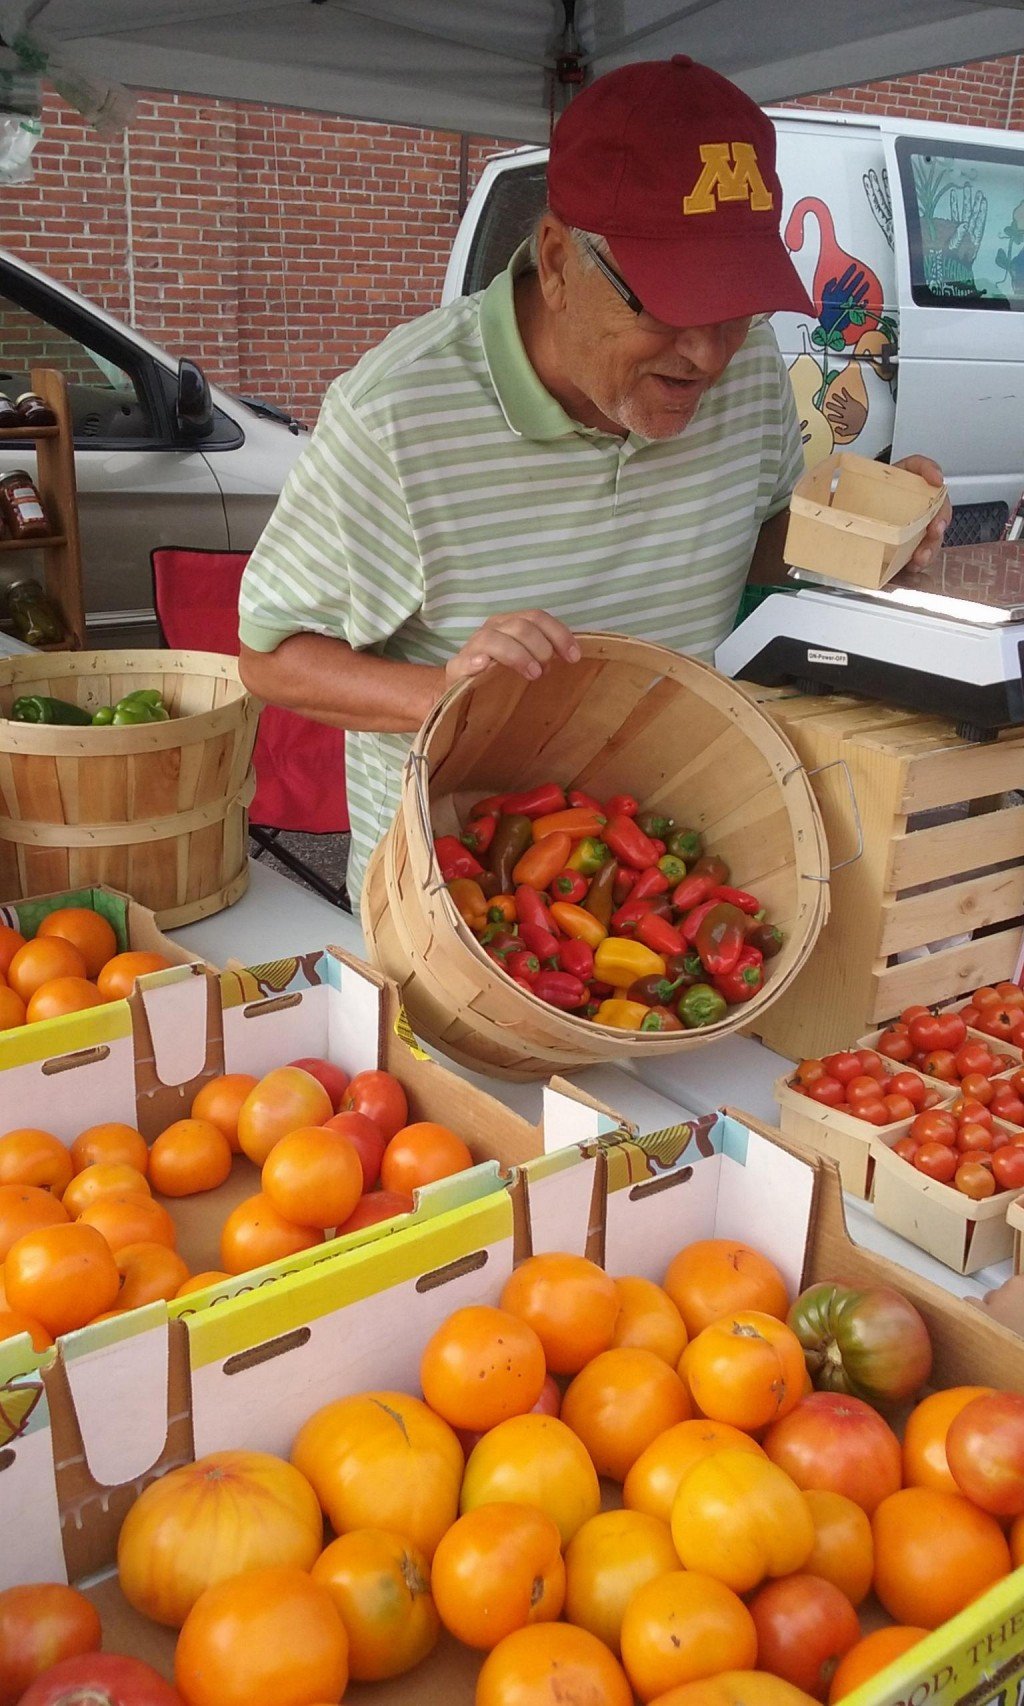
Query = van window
x=104 y=400
x=516 y=201
x=964 y=207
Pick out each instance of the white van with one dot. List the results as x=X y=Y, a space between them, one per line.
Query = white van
x=910 y=240
x=161 y=457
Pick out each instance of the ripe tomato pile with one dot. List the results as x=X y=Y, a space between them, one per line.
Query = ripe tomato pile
x=863 y=1083
x=83 y=1237
x=607 y=911
x=762 y=1494
x=71 y=963
x=964 y=1146
x=998 y=1011
x=940 y=1046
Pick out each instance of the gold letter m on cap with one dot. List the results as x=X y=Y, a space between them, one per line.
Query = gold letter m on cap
x=730 y=173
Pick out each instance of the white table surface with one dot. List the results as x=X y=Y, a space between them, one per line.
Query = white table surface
x=277 y=917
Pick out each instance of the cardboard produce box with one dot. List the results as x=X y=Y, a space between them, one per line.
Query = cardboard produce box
x=249 y=1372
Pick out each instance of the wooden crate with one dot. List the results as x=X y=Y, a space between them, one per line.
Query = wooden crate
x=917 y=881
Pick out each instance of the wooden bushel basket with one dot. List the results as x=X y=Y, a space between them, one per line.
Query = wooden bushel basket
x=157 y=810
x=628 y=717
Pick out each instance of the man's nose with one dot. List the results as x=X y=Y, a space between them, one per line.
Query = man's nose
x=705 y=346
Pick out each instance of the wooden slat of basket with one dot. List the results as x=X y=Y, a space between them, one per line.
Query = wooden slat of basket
x=926 y=855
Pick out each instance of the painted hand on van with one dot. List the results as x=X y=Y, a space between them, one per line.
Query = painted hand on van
x=1011 y=258
x=846 y=404
x=846 y=292
x=953 y=220
x=876 y=188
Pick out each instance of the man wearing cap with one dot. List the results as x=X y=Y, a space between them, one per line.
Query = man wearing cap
x=605 y=437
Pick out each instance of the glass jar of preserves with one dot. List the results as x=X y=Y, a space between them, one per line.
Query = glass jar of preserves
x=21 y=506
x=9 y=416
x=34 y=616
x=33 y=412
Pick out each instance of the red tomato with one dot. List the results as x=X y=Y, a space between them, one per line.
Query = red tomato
x=367 y=1140
x=906 y=1148
x=899 y=1107
x=972 y=1057
x=925 y=1032
x=936 y=1160
x=975 y=1179
x=952 y=1031
x=973 y=1135
x=984 y=997
x=941 y=1063
x=872 y=1064
x=909 y=1084
x=895 y=1044
x=1017 y=1080
x=804 y=1626
x=331 y=1077
x=1008 y=1167
x=843 y=1066
x=969 y=1015
x=40 y=1624
x=376 y=1206
x=909 y=1013
x=985 y=1451
x=380 y=1097
x=1007 y=1105
x=935 y=1126
x=826 y=1090
x=876 y=1113
x=808 y=1070
x=968 y=1108
x=998 y=1021
x=101 y=1679
x=833 y=1442
x=931 y=1099
x=977 y=1086
x=1011 y=994
x=863 y=1089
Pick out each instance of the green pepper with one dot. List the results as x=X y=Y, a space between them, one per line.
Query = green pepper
x=701 y=1005
x=588 y=856
x=600 y=900
x=143 y=696
x=129 y=715
x=686 y=844
x=672 y=867
x=656 y=991
x=39 y=708
x=512 y=837
x=103 y=717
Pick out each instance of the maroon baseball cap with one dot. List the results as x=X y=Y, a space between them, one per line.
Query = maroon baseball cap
x=675 y=167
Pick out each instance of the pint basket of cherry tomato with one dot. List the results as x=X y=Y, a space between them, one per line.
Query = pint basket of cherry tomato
x=943 y=1047
x=837 y=1104
x=996 y=1011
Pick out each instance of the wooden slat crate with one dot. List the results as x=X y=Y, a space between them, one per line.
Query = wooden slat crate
x=919 y=879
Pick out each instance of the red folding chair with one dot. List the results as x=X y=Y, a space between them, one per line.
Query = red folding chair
x=195 y=594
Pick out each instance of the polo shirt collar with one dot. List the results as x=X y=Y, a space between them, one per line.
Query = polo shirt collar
x=528 y=407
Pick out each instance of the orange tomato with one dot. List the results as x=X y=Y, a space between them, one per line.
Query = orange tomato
x=571 y=1304
x=188 y=1157
x=552 y=1664
x=12 y=1009
x=10 y=941
x=149 y=1273
x=103 y=1179
x=26 y=1208
x=29 y=1156
x=383 y=1460
x=262 y=1639
x=481 y=1367
x=41 y=1624
x=497 y=1569
x=116 y=979
x=844 y=1550
x=85 y=930
x=740 y=1518
x=924 y=1437
x=534 y=1460
x=61 y=1276
x=648 y=1320
x=655 y=1477
x=421 y=1153
x=736 y=1688
x=872 y=1654
x=128 y=1217
x=39 y=961
x=110 y=1142
x=606 y=1561
x=254 y=1233
x=681 y=1627
x=934 y=1553
x=619 y=1404
x=59 y=996
x=282 y=1101
x=380 y=1585
x=220 y=1101
x=13 y=1322
x=313 y=1177
x=718 y=1276
x=747 y=1369
x=225 y=1513
x=199 y=1282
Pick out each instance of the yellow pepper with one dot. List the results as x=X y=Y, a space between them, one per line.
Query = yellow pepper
x=619 y=960
x=470 y=902
x=623 y=1015
x=579 y=924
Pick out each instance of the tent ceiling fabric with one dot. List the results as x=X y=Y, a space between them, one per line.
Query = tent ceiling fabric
x=484 y=66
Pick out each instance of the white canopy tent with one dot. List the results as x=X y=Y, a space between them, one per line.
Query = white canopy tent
x=488 y=66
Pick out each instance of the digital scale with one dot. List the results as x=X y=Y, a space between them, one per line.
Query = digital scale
x=948 y=639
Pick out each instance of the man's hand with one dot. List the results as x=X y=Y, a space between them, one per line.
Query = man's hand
x=523 y=640
x=932 y=541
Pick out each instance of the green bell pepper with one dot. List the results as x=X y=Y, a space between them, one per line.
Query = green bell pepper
x=39 y=708
x=103 y=717
x=701 y=1005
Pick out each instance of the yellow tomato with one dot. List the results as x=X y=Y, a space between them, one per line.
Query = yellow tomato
x=534 y=1460
x=739 y=1518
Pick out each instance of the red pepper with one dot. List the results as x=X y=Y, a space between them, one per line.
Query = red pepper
x=501 y=942
x=560 y=989
x=662 y=846
x=569 y=885
x=650 y=882
x=628 y=841
x=628 y=916
x=576 y=797
x=601 y=991
x=493 y=806
x=536 y=802
x=745 y=978
x=622 y=805
x=721 y=938
x=456 y=860
x=747 y=903
x=659 y=934
x=625 y=882
x=540 y=941
x=532 y=907
x=577 y=958
x=524 y=983
x=691 y=892
x=479 y=833
x=523 y=964
x=694 y=919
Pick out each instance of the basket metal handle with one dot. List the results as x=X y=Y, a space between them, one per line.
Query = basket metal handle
x=819 y=769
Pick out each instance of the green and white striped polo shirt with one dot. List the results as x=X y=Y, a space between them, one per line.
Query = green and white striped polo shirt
x=444 y=485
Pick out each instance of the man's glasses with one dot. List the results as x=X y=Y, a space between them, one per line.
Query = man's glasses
x=632 y=300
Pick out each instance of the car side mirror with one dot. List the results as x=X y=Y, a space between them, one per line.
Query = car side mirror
x=193 y=406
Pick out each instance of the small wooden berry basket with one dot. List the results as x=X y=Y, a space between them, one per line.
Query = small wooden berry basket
x=856 y=520
x=1015 y=1221
x=840 y=1136
x=963 y=1234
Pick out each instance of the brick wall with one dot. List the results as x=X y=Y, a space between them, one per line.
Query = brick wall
x=275 y=246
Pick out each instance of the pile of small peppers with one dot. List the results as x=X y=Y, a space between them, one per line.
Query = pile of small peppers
x=605 y=910
x=145 y=705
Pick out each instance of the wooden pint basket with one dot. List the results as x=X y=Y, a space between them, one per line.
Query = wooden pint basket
x=157 y=810
x=629 y=717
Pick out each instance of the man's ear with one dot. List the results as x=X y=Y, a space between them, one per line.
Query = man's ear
x=554 y=254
